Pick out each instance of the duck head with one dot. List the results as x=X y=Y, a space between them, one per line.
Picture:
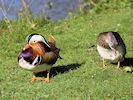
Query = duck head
x=37 y=43
x=112 y=41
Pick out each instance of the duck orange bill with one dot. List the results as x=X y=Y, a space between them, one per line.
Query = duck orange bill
x=26 y=47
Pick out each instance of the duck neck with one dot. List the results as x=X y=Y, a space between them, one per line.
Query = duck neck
x=38 y=51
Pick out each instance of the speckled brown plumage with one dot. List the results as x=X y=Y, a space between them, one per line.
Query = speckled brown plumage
x=101 y=40
x=111 y=47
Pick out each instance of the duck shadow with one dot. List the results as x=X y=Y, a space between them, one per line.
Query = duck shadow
x=60 y=70
x=127 y=62
x=64 y=69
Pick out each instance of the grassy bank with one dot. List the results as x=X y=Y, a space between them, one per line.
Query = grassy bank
x=79 y=75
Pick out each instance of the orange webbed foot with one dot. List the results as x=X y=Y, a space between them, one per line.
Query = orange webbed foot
x=46 y=80
x=33 y=78
x=118 y=69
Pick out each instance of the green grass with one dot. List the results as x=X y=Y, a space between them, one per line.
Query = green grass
x=74 y=36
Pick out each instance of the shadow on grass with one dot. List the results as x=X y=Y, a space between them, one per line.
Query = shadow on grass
x=60 y=69
x=64 y=69
x=127 y=62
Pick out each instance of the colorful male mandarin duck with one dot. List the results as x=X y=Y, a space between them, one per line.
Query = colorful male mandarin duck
x=111 y=47
x=39 y=55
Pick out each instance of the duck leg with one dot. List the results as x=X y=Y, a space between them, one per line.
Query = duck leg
x=104 y=65
x=118 y=66
x=47 y=78
x=42 y=79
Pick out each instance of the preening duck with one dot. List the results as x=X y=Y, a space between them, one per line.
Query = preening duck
x=111 y=47
x=39 y=55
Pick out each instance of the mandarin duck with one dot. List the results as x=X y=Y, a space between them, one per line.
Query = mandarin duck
x=39 y=55
x=111 y=47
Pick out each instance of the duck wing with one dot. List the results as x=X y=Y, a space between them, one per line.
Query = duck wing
x=52 y=43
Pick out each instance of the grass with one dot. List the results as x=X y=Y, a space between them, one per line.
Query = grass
x=79 y=75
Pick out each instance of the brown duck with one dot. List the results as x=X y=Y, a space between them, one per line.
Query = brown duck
x=111 y=47
x=39 y=55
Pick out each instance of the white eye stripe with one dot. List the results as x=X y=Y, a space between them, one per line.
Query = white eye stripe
x=37 y=38
x=46 y=43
